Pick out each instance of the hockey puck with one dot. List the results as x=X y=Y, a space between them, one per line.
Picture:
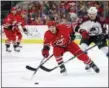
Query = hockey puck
x=36 y=83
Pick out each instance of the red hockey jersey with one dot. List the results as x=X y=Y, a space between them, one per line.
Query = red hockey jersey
x=61 y=38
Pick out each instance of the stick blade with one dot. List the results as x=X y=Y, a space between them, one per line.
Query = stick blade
x=30 y=68
x=46 y=69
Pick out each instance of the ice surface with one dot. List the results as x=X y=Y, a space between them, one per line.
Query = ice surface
x=14 y=73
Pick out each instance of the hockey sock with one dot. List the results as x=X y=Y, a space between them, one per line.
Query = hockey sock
x=62 y=67
x=18 y=43
x=7 y=45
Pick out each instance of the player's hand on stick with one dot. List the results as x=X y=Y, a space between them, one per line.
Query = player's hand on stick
x=72 y=35
x=45 y=51
x=25 y=31
x=85 y=34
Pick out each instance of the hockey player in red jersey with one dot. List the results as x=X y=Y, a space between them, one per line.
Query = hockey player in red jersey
x=93 y=29
x=8 y=26
x=20 y=19
x=61 y=37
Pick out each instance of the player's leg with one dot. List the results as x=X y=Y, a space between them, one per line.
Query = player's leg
x=7 y=44
x=19 y=35
x=58 y=53
x=104 y=48
x=13 y=38
x=16 y=48
x=8 y=34
x=84 y=44
x=75 y=50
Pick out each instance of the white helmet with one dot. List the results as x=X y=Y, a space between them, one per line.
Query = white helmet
x=92 y=10
x=73 y=15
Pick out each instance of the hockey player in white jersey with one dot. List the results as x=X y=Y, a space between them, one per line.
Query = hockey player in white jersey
x=93 y=29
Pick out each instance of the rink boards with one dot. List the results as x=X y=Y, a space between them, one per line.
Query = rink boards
x=36 y=34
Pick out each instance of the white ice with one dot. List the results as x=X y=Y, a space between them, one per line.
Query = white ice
x=14 y=73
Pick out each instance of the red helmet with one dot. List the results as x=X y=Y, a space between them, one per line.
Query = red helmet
x=51 y=23
x=13 y=8
x=23 y=12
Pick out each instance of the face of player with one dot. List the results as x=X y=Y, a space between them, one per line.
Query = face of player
x=14 y=12
x=92 y=16
x=23 y=15
x=52 y=29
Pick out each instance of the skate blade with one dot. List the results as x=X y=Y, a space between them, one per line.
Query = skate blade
x=64 y=73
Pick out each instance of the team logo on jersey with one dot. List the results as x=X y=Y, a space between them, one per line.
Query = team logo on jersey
x=60 y=41
x=94 y=30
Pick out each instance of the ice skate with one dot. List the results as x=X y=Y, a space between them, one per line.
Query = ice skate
x=95 y=68
x=16 y=49
x=87 y=67
x=63 y=70
x=8 y=50
x=18 y=44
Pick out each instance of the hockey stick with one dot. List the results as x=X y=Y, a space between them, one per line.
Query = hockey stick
x=41 y=63
x=49 y=70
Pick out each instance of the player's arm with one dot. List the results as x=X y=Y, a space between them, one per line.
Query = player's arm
x=25 y=30
x=8 y=26
x=105 y=30
x=82 y=31
x=104 y=34
x=72 y=33
x=7 y=23
x=22 y=26
x=104 y=25
x=46 y=46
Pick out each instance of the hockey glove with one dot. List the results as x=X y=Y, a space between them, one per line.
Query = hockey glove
x=107 y=36
x=72 y=35
x=101 y=37
x=84 y=34
x=45 y=51
x=25 y=31
x=10 y=27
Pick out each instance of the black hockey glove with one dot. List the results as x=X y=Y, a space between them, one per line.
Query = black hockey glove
x=25 y=31
x=77 y=28
x=101 y=37
x=107 y=36
x=72 y=36
x=10 y=27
